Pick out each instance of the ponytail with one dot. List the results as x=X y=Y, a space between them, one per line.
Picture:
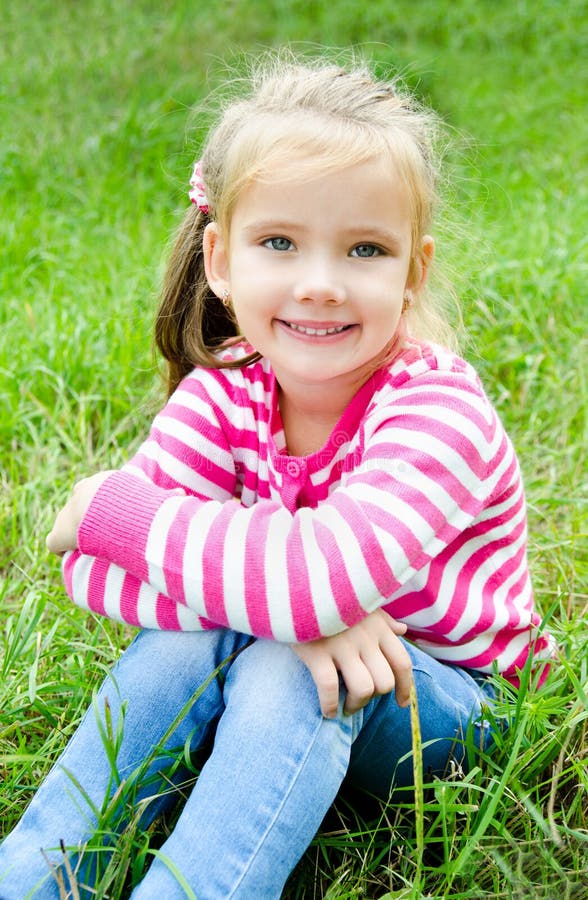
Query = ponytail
x=192 y=324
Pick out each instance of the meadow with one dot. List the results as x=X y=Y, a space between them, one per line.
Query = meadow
x=97 y=139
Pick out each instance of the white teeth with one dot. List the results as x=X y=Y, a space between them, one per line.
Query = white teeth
x=318 y=331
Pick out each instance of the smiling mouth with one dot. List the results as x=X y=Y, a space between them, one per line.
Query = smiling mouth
x=318 y=332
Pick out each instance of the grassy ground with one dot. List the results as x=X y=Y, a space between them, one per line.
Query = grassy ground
x=96 y=143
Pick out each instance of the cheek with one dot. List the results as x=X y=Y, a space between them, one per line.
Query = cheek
x=252 y=280
x=386 y=320
x=252 y=316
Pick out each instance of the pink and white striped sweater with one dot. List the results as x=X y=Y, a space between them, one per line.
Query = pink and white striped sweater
x=414 y=504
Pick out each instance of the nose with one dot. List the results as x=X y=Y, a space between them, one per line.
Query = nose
x=320 y=282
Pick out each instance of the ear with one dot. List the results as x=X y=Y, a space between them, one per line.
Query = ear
x=216 y=259
x=422 y=263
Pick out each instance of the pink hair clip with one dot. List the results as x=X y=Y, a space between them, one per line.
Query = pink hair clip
x=197 y=194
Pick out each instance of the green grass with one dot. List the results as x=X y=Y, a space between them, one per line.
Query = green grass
x=96 y=144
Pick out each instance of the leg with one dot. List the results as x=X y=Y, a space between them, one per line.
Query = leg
x=449 y=700
x=275 y=769
x=277 y=766
x=155 y=678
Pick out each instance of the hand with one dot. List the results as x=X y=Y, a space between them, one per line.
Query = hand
x=370 y=658
x=64 y=534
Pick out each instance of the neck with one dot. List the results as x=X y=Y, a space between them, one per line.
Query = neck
x=310 y=413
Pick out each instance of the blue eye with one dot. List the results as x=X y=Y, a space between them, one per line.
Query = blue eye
x=366 y=251
x=278 y=243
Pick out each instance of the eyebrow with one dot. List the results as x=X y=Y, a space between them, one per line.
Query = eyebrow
x=273 y=225
x=369 y=232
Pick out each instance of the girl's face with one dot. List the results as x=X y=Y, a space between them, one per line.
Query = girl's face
x=318 y=272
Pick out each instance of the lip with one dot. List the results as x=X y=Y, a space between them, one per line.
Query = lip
x=310 y=329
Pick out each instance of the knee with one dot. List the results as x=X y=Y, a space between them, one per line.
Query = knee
x=268 y=674
x=161 y=672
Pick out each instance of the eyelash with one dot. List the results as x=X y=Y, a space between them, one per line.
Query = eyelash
x=270 y=244
x=270 y=241
x=378 y=251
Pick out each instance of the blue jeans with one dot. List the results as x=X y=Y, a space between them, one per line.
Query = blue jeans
x=274 y=769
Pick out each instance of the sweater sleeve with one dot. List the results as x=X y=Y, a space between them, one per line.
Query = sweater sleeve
x=428 y=467
x=185 y=454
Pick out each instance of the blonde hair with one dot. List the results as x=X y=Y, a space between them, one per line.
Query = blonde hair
x=300 y=118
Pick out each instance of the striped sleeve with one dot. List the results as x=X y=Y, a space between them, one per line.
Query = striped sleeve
x=187 y=448
x=186 y=453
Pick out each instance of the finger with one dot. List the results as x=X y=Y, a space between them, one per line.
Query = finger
x=54 y=542
x=380 y=670
x=52 y=539
x=398 y=657
x=61 y=537
x=327 y=684
x=326 y=678
x=56 y=552
x=359 y=684
x=396 y=626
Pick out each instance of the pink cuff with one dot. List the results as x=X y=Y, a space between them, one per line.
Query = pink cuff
x=116 y=525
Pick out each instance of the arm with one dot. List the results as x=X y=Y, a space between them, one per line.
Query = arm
x=186 y=453
x=315 y=572
x=368 y=656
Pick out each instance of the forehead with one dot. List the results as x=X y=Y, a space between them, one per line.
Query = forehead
x=367 y=196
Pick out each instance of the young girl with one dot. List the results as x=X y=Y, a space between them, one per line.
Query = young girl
x=328 y=508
